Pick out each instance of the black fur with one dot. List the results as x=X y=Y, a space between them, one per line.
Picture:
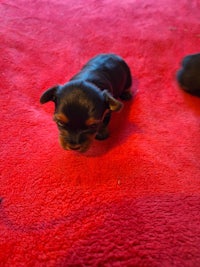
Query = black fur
x=90 y=95
x=188 y=76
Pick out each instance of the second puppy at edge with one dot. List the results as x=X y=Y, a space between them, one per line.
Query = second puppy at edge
x=83 y=106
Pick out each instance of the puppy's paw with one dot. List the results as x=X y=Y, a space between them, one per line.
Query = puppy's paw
x=126 y=95
x=102 y=134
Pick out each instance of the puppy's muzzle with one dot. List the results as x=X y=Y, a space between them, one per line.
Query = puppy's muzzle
x=76 y=142
x=74 y=147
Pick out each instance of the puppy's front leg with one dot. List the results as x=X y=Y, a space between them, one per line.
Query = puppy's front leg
x=103 y=132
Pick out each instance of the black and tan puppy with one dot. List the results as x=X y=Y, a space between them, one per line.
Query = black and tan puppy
x=83 y=105
x=189 y=75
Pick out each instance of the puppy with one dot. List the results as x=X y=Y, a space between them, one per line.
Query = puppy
x=83 y=106
x=189 y=75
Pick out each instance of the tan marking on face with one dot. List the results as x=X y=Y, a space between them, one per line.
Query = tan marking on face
x=91 y=121
x=61 y=117
x=62 y=142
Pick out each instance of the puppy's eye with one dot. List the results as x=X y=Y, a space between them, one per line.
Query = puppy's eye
x=93 y=126
x=60 y=124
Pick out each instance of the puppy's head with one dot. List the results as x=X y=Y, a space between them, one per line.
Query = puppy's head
x=80 y=108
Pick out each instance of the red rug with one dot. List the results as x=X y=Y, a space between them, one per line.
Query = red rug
x=132 y=200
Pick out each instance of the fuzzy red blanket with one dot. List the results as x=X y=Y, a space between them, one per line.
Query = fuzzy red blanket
x=131 y=200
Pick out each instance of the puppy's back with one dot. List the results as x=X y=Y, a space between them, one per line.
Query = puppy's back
x=189 y=75
x=107 y=71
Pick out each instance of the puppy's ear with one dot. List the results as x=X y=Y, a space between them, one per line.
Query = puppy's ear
x=49 y=95
x=114 y=104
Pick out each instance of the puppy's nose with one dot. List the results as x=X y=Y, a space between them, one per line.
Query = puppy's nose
x=74 y=144
x=76 y=140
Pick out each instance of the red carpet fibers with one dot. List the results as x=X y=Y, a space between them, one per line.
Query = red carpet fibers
x=132 y=200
